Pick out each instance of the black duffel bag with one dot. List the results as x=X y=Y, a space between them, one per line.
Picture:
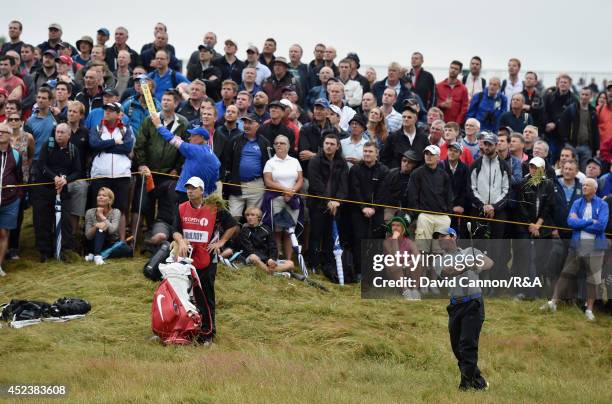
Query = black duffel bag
x=151 y=268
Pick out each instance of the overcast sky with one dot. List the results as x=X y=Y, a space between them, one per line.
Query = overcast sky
x=546 y=35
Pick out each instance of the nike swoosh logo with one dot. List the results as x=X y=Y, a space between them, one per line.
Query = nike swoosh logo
x=159 y=307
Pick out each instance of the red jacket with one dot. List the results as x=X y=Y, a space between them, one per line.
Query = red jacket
x=459 y=106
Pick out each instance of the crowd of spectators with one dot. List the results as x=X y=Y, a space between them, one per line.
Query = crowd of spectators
x=494 y=148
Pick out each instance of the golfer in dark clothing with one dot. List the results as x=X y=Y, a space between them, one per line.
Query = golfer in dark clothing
x=466 y=309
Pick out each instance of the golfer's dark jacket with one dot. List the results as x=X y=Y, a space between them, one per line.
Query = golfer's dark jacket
x=366 y=184
x=327 y=178
x=55 y=162
x=258 y=240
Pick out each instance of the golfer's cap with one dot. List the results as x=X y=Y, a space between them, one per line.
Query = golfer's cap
x=113 y=106
x=538 y=162
x=195 y=182
x=433 y=149
x=199 y=131
x=447 y=231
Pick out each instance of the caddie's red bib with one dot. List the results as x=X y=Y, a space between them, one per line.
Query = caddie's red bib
x=198 y=226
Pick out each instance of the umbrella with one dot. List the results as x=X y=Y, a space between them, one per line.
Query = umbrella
x=337 y=252
x=58 y=226
x=298 y=250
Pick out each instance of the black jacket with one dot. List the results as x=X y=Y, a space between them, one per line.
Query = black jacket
x=570 y=126
x=90 y=102
x=327 y=178
x=231 y=160
x=397 y=144
x=555 y=104
x=55 y=161
x=430 y=190
x=211 y=76
x=536 y=104
x=460 y=180
x=274 y=86
x=366 y=184
x=111 y=58
x=269 y=131
x=379 y=88
x=233 y=71
x=425 y=87
x=537 y=202
x=258 y=240
x=311 y=140
x=395 y=188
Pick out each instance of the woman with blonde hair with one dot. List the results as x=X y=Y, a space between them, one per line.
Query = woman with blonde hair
x=101 y=225
x=376 y=127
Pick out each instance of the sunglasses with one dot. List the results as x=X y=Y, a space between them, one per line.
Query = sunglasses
x=14 y=120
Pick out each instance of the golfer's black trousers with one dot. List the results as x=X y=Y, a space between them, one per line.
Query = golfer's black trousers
x=207 y=279
x=464 y=325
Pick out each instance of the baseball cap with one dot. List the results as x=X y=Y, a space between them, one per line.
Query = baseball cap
x=506 y=128
x=322 y=102
x=144 y=77
x=433 y=149
x=447 y=231
x=195 y=182
x=456 y=145
x=286 y=103
x=50 y=52
x=230 y=42
x=538 y=162
x=55 y=26
x=287 y=89
x=200 y=132
x=335 y=109
x=64 y=59
x=276 y=104
x=113 y=106
x=252 y=48
x=103 y=31
x=412 y=155
x=206 y=48
x=250 y=117
x=110 y=91
x=490 y=138
x=594 y=160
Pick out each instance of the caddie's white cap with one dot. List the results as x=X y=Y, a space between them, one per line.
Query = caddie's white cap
x=195 y=182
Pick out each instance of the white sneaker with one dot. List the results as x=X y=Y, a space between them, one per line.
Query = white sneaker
x=589 y=315
x=2 y=273
x=549 y=305
x=89 y=257
x=98 y=260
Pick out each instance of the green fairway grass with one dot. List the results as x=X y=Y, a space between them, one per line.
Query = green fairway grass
x=281 y=341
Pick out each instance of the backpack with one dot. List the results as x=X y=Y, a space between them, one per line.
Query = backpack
x=179 y=313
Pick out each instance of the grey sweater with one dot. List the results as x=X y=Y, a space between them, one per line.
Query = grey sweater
x=112 y=220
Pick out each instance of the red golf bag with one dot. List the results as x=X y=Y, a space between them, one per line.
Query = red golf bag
x=180 y=314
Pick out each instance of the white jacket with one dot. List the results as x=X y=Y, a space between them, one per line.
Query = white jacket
x=107 y=164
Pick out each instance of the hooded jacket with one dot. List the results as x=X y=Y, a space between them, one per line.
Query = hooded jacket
x=489 y=183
